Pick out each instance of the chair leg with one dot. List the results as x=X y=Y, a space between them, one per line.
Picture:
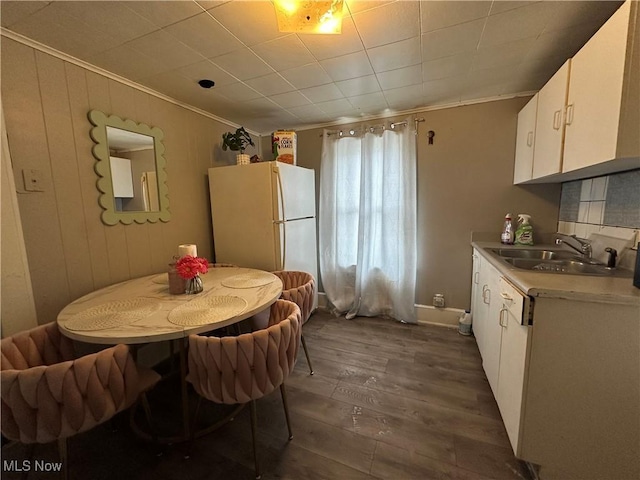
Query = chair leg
x=144 y=400
x=192 y=434
x=254 y=433
x=283 y=393
x=306 y=353
x=62 y=451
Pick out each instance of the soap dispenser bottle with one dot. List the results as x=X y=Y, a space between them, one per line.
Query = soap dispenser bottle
x=507 y=231
x=524 y=233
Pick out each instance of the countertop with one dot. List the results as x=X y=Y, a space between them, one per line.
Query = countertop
x=587 y=288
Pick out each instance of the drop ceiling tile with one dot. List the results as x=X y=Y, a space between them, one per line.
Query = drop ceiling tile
x=14 y=11
x=356 y=6
x=205 y=35
x=271 y=84
x=401 y=21
x=335 y=107
x=261 y=106
x=329 y=46
x=176 y=86
x=401 y=77
x=453 y=66
x=252 y=22
x=359 y=85
x=559 y=44
x=284 y=53
x=473 y=92
x=124 y=23
x=237 y=91
x=170 y=13
x=395 y=55
x=502 y=55
x=405 y=98
x=290 y=99
x=569 y=14
x=322 y=93
x=370 y=102
x=441 y=14
x=492 y=76
x=309 y=112
x=525 y=83
x=206 y=70
x=243 y=64
x=165 y=49
x=348 y=66
x=442 y=92
x=307 y=76
x=127 y=62
x=506 y=5
x=523 y=22
x=452 y=40
x=54 y=27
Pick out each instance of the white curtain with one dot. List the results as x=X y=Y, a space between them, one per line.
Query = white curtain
x=367 y=222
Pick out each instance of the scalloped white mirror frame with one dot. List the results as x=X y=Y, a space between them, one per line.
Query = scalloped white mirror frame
x=110 y=216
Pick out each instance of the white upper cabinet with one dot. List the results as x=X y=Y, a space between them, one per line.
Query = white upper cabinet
x=524 y=141
x=595 y=95
x=588 y=114
x=550 y=124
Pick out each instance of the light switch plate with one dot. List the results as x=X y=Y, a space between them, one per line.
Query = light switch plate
x=33 y=181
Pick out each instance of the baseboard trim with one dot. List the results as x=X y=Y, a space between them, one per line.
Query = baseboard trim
x=425 y=314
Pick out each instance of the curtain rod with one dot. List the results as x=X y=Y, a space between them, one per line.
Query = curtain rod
x=353 y=131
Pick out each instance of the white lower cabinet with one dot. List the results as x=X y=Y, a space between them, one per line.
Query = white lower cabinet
x=498 y=308
x=565 y=375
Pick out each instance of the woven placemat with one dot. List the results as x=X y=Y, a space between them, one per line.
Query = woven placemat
x=209 y=309
x=249 y=280
x=112 y=314
x=161 y=279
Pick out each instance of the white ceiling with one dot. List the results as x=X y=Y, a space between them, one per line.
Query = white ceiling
x=392 y=56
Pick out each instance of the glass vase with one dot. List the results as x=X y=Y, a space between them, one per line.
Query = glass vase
x=176 y=282
x=193 y=285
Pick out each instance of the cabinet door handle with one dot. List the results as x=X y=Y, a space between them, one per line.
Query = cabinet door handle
x=485 y=291
x=529 y=139
x=556 y=119
x=500 y=318
x=506 y=296
x=476 y=276
x=569 y=120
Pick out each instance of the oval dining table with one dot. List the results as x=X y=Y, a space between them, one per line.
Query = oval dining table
x=142 y=311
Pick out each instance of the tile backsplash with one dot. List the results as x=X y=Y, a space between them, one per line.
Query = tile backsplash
x=607 y=205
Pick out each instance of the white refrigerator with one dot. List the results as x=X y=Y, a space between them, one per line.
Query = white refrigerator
x=264 y=216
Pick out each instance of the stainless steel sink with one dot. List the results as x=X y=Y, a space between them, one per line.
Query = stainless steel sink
x=575 y=267
x=555 y=261
x=535 y=254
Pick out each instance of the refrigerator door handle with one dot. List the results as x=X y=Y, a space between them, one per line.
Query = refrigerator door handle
x=283 y=248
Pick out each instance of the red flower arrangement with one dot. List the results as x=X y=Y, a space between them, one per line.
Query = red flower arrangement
x=189 y=267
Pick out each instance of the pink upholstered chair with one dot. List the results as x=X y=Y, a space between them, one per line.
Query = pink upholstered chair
x=244 y=368
x=300 y=288
x=48 y=394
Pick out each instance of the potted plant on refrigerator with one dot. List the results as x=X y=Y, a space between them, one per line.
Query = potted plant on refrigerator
x=238 y=141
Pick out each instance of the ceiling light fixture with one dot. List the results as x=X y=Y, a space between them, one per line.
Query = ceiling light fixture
x=300 y=16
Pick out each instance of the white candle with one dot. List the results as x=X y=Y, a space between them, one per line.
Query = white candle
x=187 y=249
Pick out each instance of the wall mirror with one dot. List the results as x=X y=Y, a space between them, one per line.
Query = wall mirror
x=130 y=164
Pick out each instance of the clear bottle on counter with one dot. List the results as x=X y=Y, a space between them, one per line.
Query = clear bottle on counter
x=507 y=231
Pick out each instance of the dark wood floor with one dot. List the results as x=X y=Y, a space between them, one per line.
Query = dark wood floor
x=387 y=401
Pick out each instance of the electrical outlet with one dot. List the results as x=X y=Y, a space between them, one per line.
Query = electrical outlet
x=438 y=300
x=33 y=181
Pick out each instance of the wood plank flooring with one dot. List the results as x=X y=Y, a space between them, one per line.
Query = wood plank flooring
x=387 y=401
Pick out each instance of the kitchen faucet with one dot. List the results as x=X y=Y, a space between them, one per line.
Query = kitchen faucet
x=580 y=245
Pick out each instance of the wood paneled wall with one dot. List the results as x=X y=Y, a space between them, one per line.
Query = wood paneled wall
x=70 y=251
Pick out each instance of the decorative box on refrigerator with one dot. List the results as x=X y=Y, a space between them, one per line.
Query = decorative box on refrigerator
x=264 y=216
